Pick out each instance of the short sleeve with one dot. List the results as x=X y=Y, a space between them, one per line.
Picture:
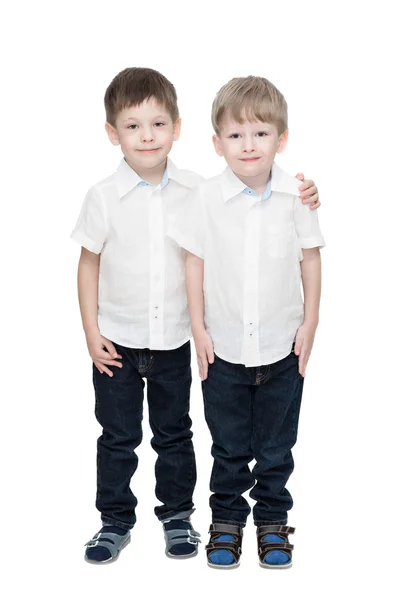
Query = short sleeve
x=187 y=226
x=91 y=228
x=307 y=226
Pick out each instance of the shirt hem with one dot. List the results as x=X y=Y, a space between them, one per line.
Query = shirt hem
x=117 y=340
x=263 y=362
x=86 y=242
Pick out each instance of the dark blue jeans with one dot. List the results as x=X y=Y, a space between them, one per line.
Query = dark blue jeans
x=252 y=413
x=119 y=402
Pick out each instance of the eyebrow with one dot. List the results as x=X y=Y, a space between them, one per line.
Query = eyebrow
x=154 y=118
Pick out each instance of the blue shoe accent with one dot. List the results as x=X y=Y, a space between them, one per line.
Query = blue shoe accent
x=276 y=557
x=222 y=557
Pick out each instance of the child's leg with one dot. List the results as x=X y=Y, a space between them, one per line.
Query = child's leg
x=276 y=409
x=228 y=396
x=169 y=381
x=118 y=409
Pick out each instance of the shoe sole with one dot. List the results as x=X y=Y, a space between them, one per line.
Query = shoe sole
x=232 y=566
x=181 y=556
x=267 y=566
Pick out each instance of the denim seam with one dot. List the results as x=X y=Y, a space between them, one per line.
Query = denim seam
x=143 y=370
x=172 y=513
x=109 y=521
x=264 y=377
x=224 y=522
x=262 y=523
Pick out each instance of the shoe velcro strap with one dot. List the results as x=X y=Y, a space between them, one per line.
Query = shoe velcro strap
x=269 y=546
x=225 y=528
x=231 y=546
x=275 y=529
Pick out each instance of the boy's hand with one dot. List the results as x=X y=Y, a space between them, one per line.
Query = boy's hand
x=204 y=351
x=102 y=352
x=303 y=346
x=309 y=192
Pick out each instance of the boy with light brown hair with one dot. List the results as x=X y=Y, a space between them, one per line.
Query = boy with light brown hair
x=250 y=243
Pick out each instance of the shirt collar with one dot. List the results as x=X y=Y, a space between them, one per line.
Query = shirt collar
x=180 y=176
x=264 y=196
x=280 y=182
x=127 y=179
x=162 y=184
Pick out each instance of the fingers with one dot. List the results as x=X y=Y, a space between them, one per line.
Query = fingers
x=307 y=191
x=103 y=358
x=300 y=176
x=211 y=355
x=303 y=361
x=103 y=369
x=111 y=348
x=309 y=194
x=315 y=205
x=308 y=184
x=202 y=366
x=298 y=347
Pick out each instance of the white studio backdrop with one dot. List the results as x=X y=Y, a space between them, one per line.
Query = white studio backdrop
x=332 y=62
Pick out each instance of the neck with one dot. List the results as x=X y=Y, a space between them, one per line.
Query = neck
x=153 y=175
x=258 y=183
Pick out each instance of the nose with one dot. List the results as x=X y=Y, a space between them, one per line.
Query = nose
x=147 y=134
x=248 y=145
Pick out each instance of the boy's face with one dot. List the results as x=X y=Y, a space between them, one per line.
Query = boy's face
x=249 y=148
x=145 y=133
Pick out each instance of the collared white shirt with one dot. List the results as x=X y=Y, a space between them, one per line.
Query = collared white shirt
x=251 y=245
x=142 y=295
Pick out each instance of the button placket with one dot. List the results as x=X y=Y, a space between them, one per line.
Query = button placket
x=251 y=287
x=157 y=268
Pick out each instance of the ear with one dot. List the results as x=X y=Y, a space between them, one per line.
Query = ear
x=218 y=145
x=112 y=134
x=283 y=139
x=177 y=129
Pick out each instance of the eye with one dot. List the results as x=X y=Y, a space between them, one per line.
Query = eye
x=235 y=136
x=262 y=133
x=133 y=126
x=159 y=124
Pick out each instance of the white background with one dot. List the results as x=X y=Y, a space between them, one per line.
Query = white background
x=331 y=61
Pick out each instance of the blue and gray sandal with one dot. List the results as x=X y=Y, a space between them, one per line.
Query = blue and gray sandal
x=273 y=546
x=108 y=543
x=181 y=539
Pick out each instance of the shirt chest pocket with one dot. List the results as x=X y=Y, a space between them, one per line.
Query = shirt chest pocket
x=280 y=240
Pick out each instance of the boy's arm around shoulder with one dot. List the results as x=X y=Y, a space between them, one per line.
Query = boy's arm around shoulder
x=186 y=227
x=311 y=282
x=310 y=241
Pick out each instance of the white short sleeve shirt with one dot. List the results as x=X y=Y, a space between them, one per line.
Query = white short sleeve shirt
x=142 y=296
x=252 y=247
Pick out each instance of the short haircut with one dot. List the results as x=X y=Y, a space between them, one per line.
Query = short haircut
x=250 y=99
x=132 y=86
